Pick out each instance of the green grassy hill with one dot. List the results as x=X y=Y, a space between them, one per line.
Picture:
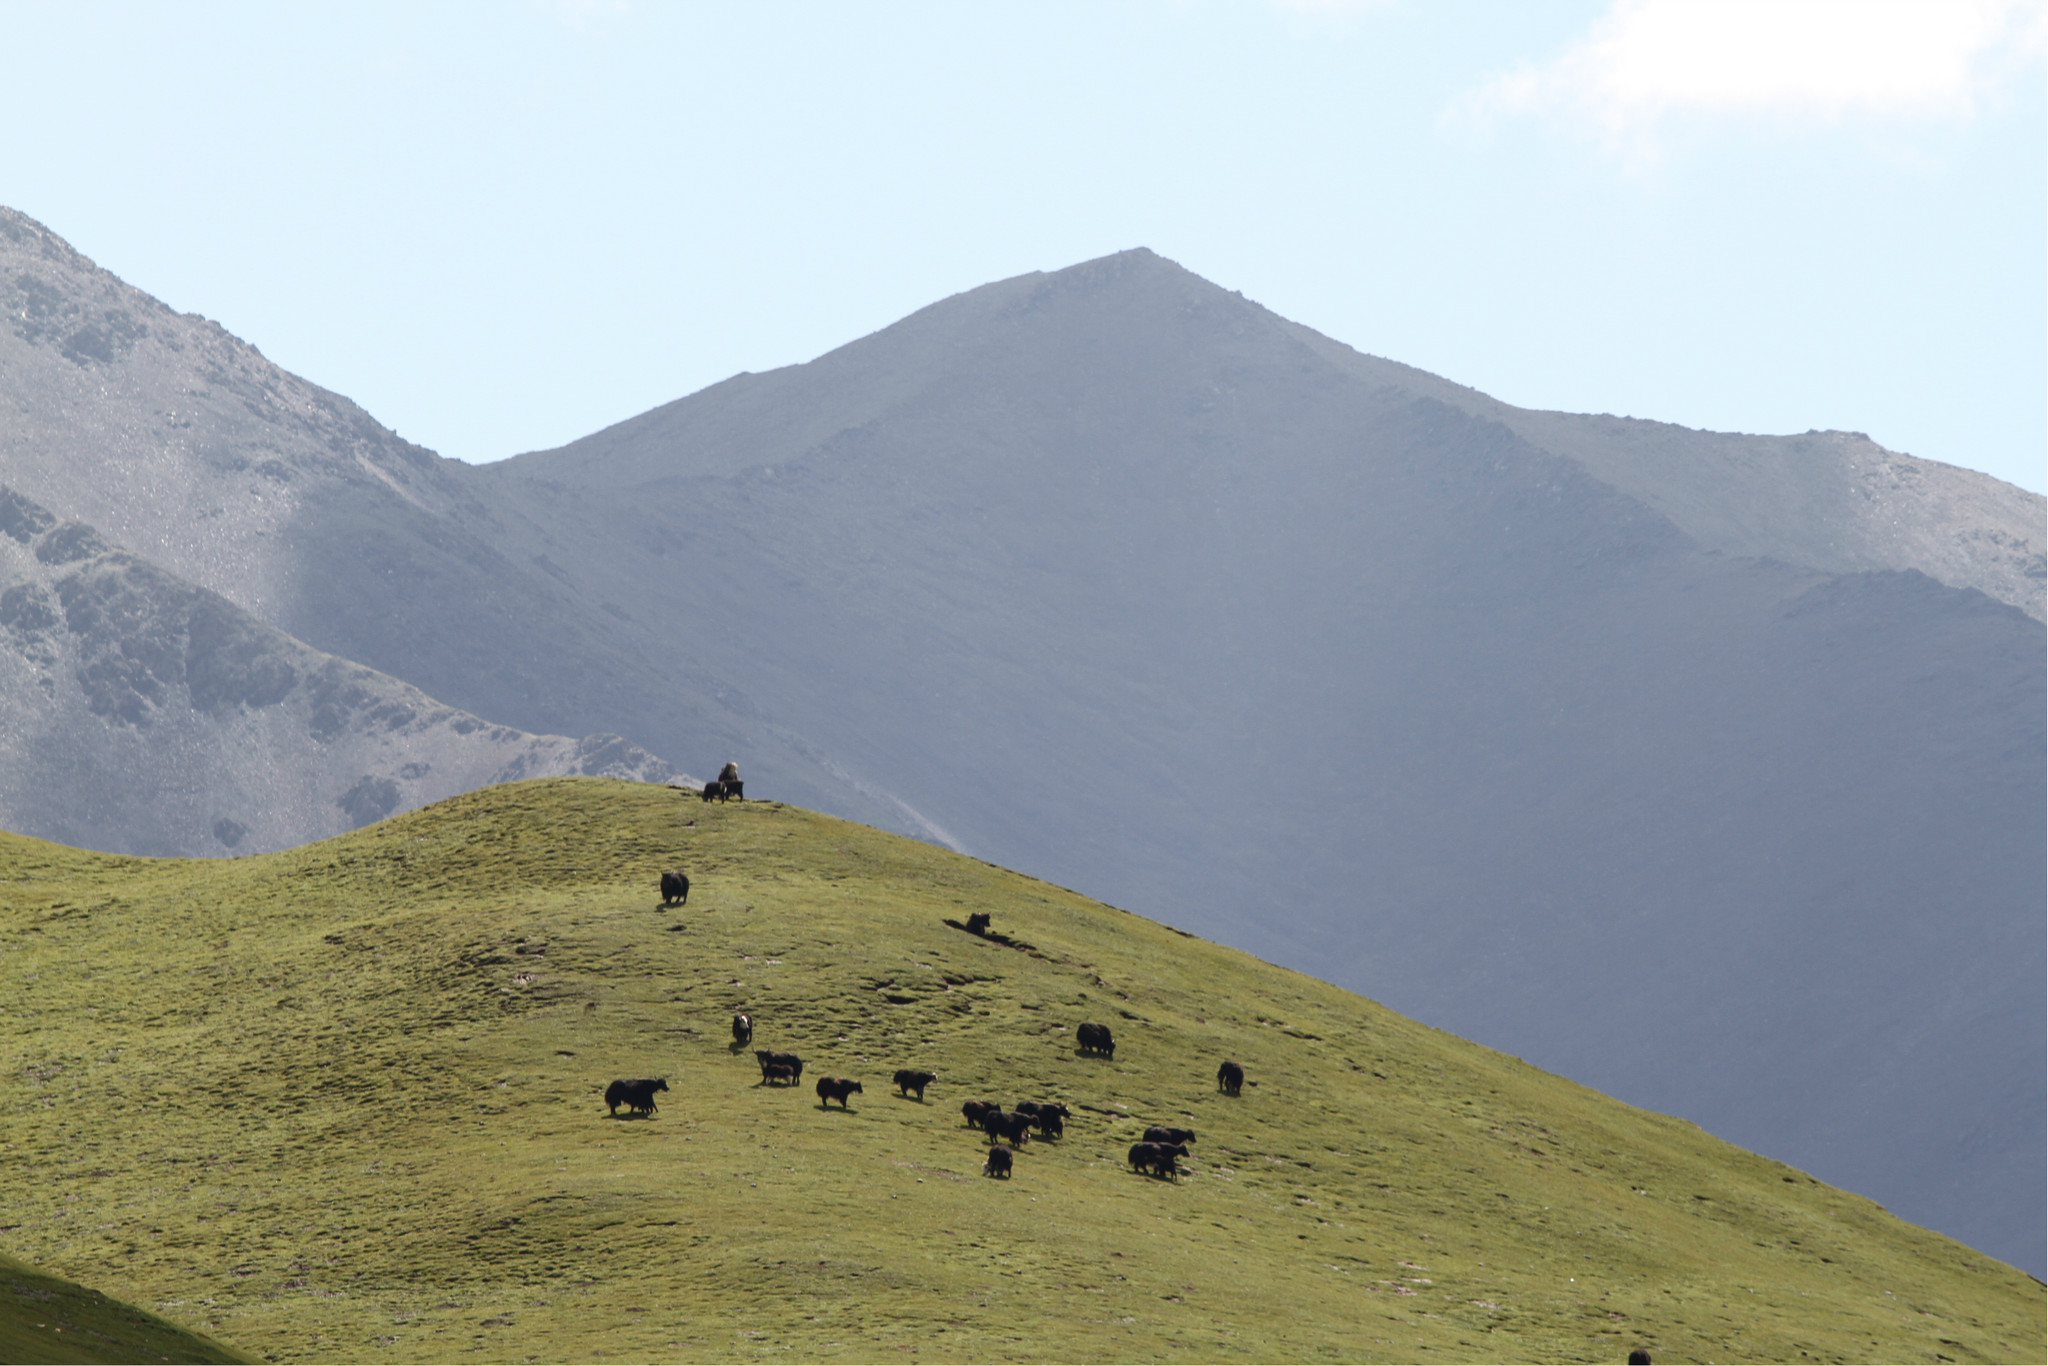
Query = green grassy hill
x=343 y=1103
x=45 y=1318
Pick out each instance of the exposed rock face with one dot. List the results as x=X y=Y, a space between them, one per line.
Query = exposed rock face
x=183 y=445
x=1706 y=769
x=179 y=441
x=141 y=714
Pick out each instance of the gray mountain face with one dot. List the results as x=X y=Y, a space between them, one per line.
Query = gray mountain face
x=186 y=447
x=1706 y=769
x=145 y=715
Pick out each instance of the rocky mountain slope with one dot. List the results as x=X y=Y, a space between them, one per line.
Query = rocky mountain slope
x=142 y=714
x=1704 y=768
x=448 y=1184
x=182 y=444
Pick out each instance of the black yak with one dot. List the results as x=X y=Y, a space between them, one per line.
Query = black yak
x=1011 y=1128
x=909 y=1079
x=675 y=889
x=726 y=785
x=1095 y=1038
x=636 y=1095
x=1048 y=1116
x=835 y=1088
x=1157 y=1158
x=1230 y=1079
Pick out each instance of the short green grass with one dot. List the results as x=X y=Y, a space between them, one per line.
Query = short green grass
x=343 y=1103
x=45 y=1318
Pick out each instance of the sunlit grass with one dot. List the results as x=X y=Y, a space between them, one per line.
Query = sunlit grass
x=344 y=1103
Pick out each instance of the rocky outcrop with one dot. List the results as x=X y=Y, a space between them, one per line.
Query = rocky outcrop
x=143 y=714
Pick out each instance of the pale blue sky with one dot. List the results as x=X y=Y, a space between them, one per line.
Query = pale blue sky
x=499 y=227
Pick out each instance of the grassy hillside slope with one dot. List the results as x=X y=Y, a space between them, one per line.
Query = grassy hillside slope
x=343 y=1102
x=45 y=1318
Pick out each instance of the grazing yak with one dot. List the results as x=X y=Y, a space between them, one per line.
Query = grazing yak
x=726 y=786
x=835 y=1088
x=778 y=1074
x=1095 y=1038
x=742 y=1028
x=768 y=1059
x=675 y=889
x=975 y=1110
x=1013 y=1129
x=1230 y=1079
x=1157 y=1158
x=1049 y=1116
x=909 y=1079
x=978 y=923
x=1159 y=1133
x=636 y=1095
x=998 y=1163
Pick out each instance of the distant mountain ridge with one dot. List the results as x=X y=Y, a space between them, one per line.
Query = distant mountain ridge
x=142 y=714
x=1833 y=501
x=1706 y=769
x=183 y=445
